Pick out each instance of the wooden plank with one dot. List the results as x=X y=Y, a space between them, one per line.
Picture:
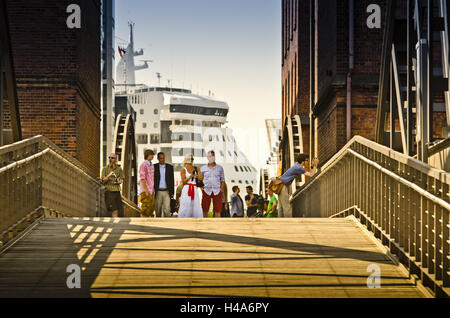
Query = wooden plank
x=199 y=258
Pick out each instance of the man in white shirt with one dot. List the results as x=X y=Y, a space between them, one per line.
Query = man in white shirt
x=214 y=181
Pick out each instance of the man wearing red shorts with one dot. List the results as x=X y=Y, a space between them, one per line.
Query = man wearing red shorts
x=214 y=181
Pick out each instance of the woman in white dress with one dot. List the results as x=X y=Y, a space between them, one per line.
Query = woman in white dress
x=189 y=199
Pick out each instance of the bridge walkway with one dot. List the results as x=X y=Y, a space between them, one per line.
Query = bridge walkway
x=136 y=257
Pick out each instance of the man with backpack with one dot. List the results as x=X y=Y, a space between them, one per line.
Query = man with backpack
x=280 y=185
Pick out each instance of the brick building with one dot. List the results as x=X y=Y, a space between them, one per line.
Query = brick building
x=58 y=74
x=337 y=78
x=331 y=69
x=295 y=63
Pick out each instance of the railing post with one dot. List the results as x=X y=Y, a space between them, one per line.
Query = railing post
x=445 y=248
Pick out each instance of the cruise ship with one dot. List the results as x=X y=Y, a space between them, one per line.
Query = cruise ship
x=178 y=122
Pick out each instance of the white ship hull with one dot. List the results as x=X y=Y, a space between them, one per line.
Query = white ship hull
x=178 y=123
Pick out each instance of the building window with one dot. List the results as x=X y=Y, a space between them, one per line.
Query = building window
x=142 y=139
x=141 y=112
x=240 y=181
x=155 y=125
x=236 y=168
x=144 y=125
x=241 y=168
x=155 y=111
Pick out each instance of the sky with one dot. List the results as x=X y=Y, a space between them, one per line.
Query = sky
x=231 y=48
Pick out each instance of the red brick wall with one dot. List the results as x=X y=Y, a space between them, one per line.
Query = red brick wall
x=295 y=63
x=58 y=74
x=332 y=70
x=289 y=79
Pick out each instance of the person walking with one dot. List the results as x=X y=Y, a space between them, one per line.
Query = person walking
x=189 y=199
x=214 y=182
x=273 y=204
x=280 y=185
x=252 y=202
x=237 y=205
x=164 y=186
x=112 y=177
x=147 y=179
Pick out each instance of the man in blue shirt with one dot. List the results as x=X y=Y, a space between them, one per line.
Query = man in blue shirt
x=164 y=186
x=237 y=205
x=284 y=206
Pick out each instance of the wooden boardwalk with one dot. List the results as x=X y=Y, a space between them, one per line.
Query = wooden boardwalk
x=200 y=258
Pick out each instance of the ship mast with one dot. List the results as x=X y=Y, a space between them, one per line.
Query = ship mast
x=126 y=68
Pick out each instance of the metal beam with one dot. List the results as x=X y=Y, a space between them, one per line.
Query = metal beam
x=399 y=99
x=409 y=78
x=383 y=88
x=1 y=99
x=444 y=14
x=422 y=100
x=311 y=78
x=429 y=55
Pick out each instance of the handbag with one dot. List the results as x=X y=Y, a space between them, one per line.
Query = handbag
x=276 y=188
x=200 y=183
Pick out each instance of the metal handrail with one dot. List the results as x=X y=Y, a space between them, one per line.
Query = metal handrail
x=412 y=185
x=21 y=162
x=409 y=184
x=422 y=167
x=45 y=180
x=27 y=147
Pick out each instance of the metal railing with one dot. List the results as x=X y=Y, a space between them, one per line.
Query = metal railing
x=404 y=201
x=36 y=177
x=46 y=181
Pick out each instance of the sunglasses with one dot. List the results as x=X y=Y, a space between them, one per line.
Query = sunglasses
x=112 y=157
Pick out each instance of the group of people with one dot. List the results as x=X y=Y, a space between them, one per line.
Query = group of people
x=278 y=204
x=157 y=189
x=156 y=186
x=210 y=178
